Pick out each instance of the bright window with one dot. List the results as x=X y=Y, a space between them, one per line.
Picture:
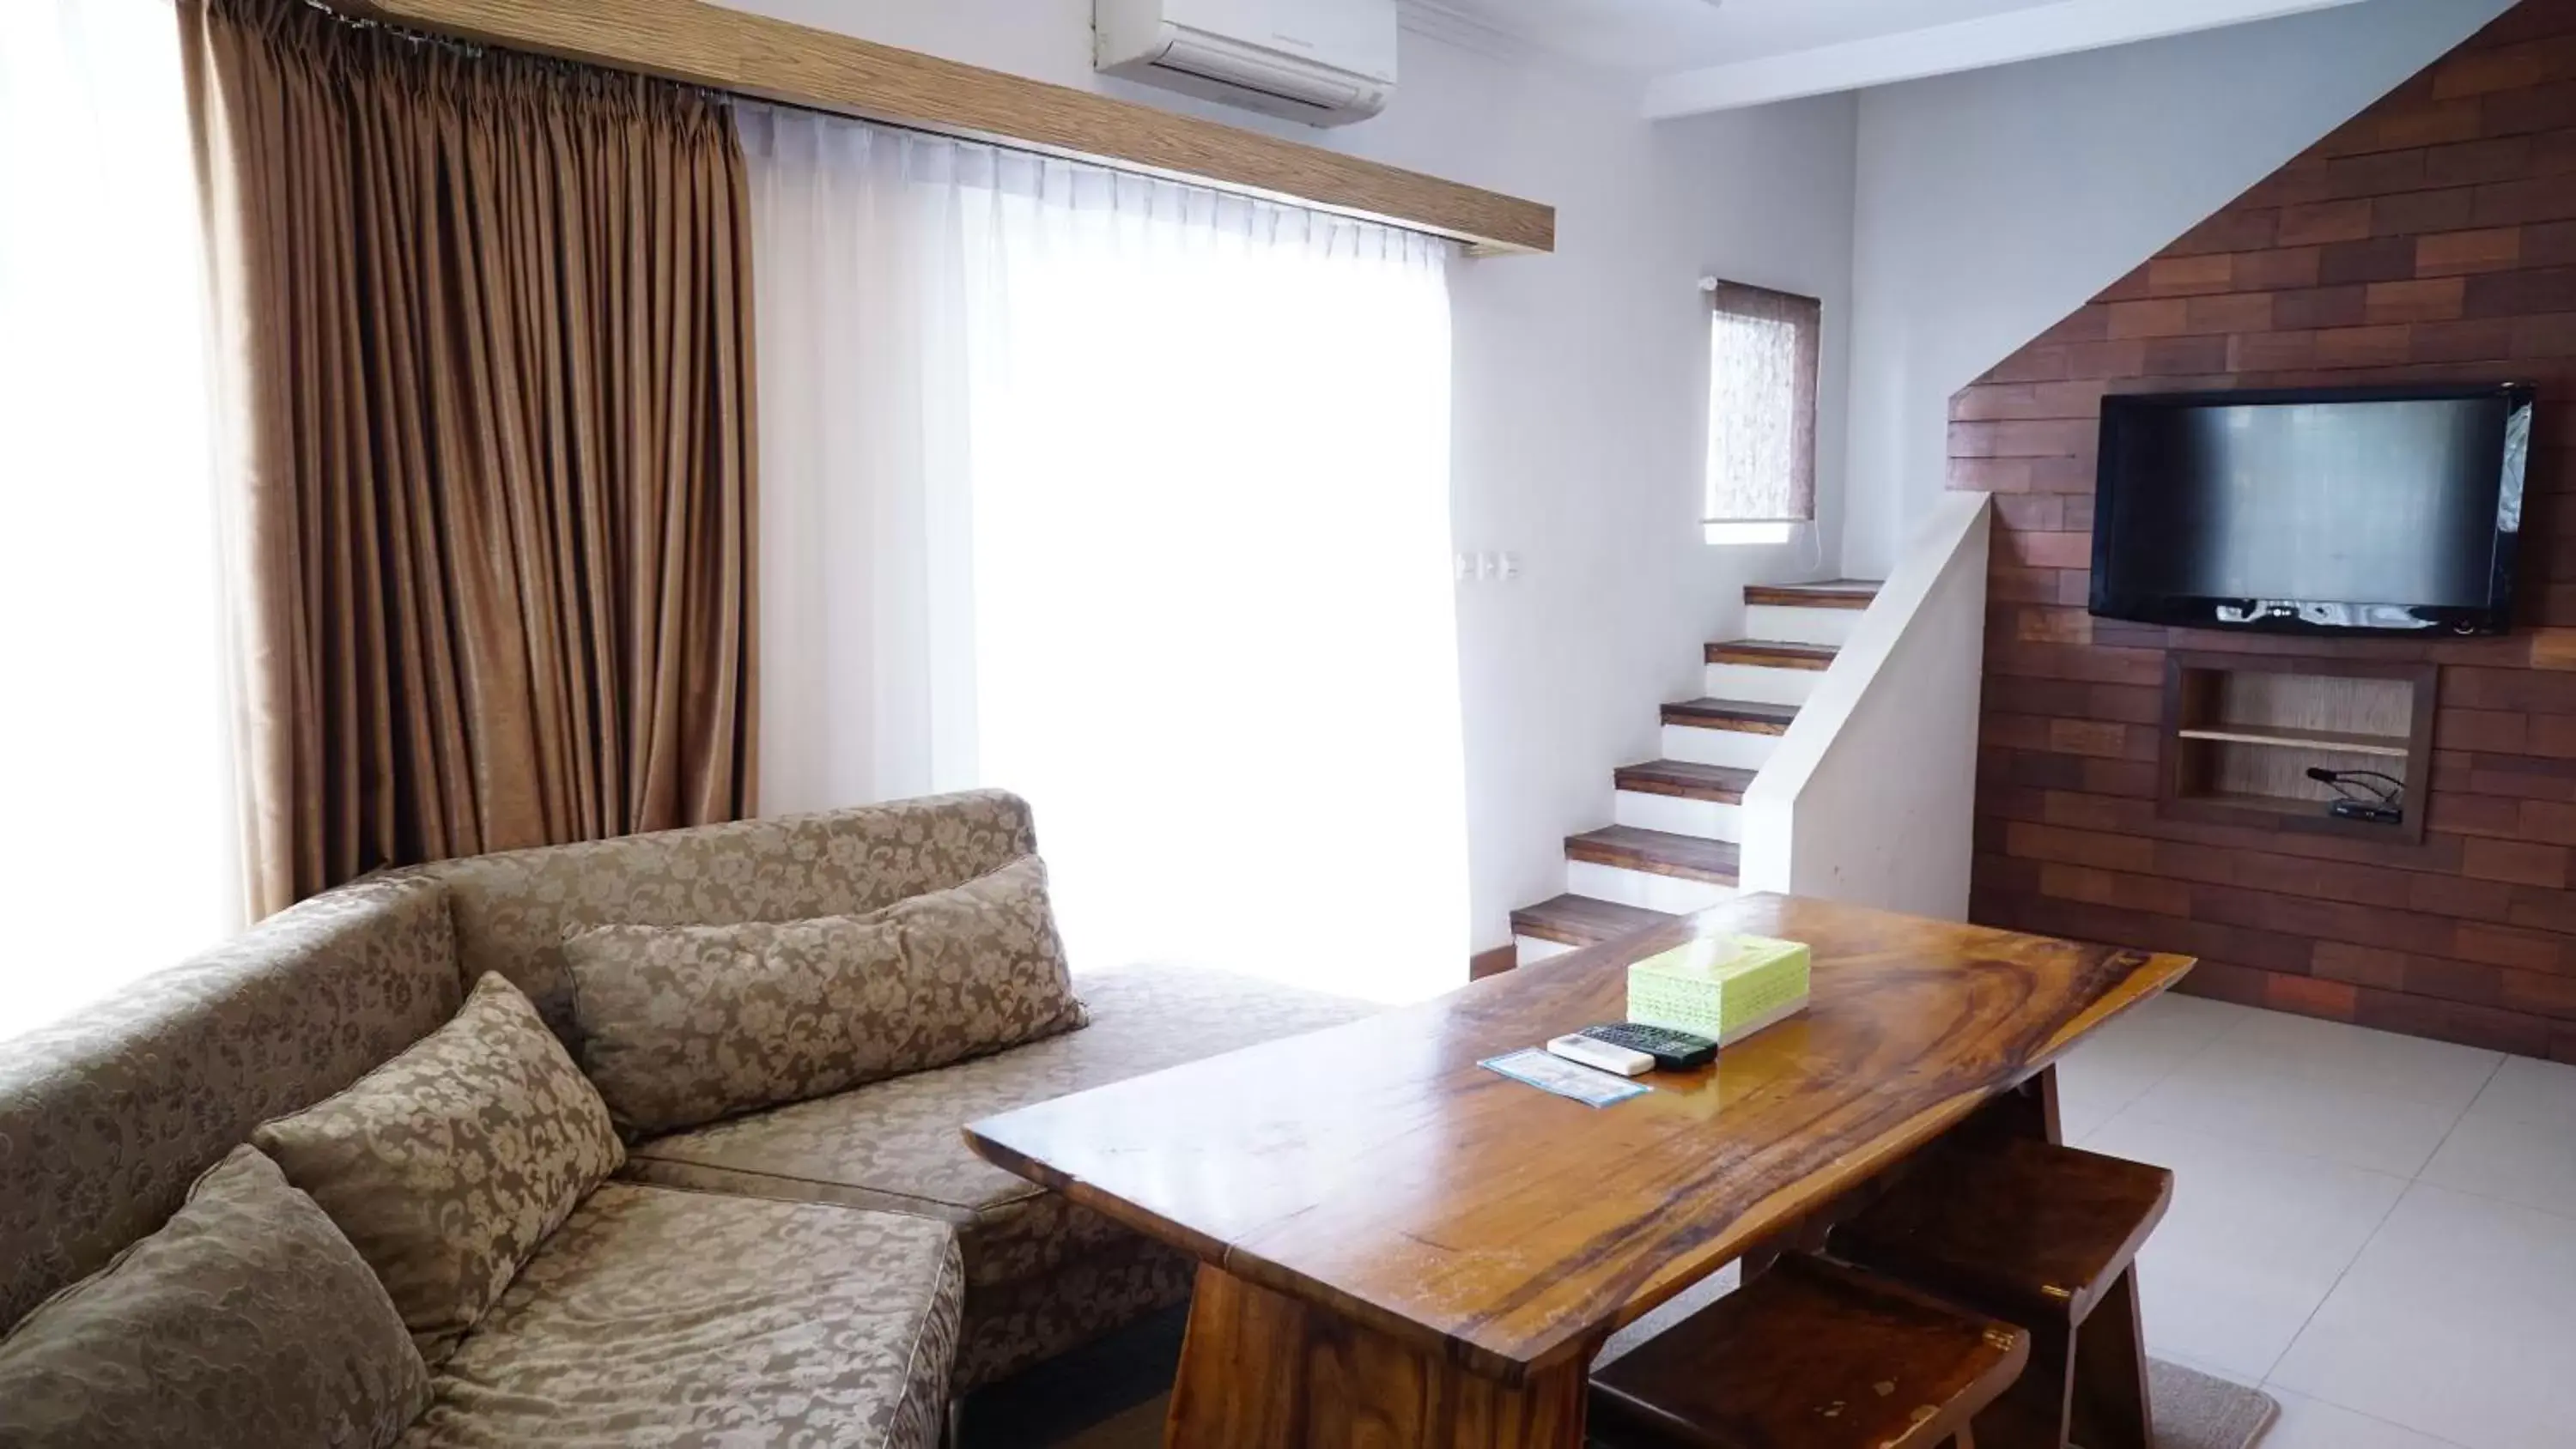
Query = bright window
x=1762 y=359
x=1133 y=498
x=118 y=859
x=1216 y=644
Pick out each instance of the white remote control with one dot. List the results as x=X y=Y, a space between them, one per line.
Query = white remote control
x=1602 y=1055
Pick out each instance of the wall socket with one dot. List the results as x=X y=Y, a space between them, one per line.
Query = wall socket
x=1487 y=567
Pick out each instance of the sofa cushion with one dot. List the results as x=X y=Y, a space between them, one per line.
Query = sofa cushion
x=987 y=965
x=896 y=1144
x=660 y=1318
x=513 y=910
x=105 y=1119
x=447 y=1165
x=681 y=1025
x=247 y=1320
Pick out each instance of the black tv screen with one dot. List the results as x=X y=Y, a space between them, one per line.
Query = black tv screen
x=2339 y=510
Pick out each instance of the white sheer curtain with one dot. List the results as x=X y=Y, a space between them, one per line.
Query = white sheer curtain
x=119 y=854
x=866 y=569
x=1132 y=497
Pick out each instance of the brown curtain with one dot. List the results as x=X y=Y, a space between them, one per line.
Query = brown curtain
x=487 y=324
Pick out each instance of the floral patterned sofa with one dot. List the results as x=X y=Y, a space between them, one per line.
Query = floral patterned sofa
x=893 y=1267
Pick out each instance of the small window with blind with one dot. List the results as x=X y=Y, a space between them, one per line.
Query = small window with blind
x=1762 y=355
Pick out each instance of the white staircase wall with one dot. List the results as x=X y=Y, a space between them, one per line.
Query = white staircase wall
x=1531 y=950
x=1870 y=795
x=1790 y=624
x=1763 y=683
x=1642 y=888
x=1734 y=749
x=1707 y=819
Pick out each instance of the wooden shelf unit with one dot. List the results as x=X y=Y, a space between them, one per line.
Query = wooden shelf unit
x=2350 y=744
x=2240 y=732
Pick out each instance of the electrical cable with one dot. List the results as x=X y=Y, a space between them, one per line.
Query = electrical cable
x=2336 y=778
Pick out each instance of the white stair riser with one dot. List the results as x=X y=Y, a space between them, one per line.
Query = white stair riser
x=1792 y=625
x=1533 y=950
x=1707 y=819
x=1761 y=683
x=1642 y=888
x=1733 y=749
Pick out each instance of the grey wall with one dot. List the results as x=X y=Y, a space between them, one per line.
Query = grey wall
x=1992 y=203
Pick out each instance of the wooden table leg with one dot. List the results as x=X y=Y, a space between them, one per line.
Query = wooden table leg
x=2112 y=1410
x=2026 y=1111
x=1261 y=1370
x=2043 y=1091
x=2032 y=1414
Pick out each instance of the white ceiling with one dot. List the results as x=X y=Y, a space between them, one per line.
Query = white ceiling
x=1658 y=35
x=1701 y=55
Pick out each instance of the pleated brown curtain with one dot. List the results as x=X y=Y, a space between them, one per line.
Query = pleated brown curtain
x=488 y=321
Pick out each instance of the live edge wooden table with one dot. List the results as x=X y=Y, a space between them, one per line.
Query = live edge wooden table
x=1398 y=1247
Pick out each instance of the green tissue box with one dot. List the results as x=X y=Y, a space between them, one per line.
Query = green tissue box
x=1722 y=987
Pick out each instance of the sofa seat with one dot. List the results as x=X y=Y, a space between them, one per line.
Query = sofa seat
x=661 y=1317
x=897 y=1146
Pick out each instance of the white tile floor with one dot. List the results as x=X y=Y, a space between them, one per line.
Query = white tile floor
x=2380 y=1231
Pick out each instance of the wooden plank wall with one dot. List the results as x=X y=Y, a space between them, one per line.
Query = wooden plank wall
x=2433 y=237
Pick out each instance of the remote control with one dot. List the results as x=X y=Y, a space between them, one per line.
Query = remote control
x=1673 y=1051
x=1618 y=1060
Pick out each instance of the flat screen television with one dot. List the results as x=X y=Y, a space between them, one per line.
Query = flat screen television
x=2320 y=511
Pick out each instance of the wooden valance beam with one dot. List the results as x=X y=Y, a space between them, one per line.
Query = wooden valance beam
x=753 y=55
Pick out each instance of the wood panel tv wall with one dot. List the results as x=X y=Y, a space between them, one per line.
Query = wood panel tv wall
x=2431 y=238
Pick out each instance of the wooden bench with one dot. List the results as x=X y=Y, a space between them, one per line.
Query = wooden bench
x=1811 y=1355
x=2046 y=1237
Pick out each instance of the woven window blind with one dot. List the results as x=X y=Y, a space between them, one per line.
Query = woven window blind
x=1763 y=348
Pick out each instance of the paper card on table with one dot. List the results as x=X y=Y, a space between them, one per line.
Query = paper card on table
x=1564 y=1078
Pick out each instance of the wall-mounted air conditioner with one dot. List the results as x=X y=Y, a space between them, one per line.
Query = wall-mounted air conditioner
x=1324 y=62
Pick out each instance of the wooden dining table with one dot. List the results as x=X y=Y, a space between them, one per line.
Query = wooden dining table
x=1400 y=1247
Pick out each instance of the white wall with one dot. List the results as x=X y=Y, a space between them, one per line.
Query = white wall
x=1580 y=380
x=1871 y=796
x=1993 y=203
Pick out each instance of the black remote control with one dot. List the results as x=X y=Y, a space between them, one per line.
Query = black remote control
x=1673 y=1051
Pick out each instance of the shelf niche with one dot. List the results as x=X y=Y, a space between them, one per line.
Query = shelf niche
x=2242 y=731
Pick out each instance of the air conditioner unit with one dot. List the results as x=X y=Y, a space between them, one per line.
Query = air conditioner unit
x=1324 y=62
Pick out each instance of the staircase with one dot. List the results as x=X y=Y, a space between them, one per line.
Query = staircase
x=1673 y=846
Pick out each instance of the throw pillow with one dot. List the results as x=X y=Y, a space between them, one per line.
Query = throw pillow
x=681 y=1025
x=246 y=1322
x=448 y=1164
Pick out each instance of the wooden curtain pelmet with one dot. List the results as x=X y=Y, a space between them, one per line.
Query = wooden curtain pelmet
x=774 y=60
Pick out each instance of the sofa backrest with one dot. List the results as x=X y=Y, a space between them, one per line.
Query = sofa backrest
x=107 y=1118
x=511 y=910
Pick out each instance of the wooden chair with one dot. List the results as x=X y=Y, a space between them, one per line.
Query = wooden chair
x=1811 y=1355
x=2046 y=1237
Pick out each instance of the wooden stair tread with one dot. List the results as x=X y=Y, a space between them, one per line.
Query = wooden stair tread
x=1571 y=920
x=1658 y=852
x=1771 y=654
x=1830 y=594
x=2012 y=1224
x=1814 y=1354
x=1743 y=715
x=1687 y=780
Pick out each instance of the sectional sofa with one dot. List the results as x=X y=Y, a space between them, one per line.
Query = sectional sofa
x=830 y=1271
